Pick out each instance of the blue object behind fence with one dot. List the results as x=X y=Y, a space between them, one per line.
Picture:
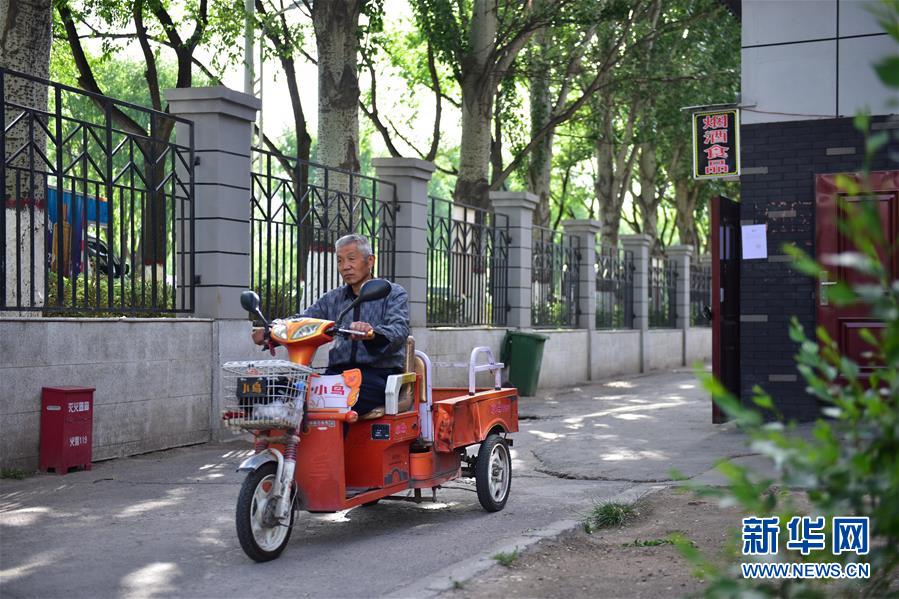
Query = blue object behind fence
x=76 y=215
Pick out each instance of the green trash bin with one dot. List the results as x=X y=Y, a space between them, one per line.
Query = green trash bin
x=522 y=353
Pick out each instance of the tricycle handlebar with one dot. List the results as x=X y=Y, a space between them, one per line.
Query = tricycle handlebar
x=492 y=366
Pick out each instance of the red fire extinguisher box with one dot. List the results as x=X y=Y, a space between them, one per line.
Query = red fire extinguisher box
x=67 y=422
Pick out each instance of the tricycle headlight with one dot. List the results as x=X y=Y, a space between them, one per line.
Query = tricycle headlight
x=304 y=331
x=279 y=330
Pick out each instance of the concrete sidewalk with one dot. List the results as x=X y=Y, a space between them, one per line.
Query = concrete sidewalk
x=161 y=525
x=636 y=429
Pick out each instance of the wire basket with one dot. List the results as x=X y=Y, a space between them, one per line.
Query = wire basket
x=264 y=394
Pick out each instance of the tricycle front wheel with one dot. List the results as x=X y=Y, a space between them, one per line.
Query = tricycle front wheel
x=493 y=473
x=261 y=536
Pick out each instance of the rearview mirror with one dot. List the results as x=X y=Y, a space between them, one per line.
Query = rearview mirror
x=374 y=289
x=249 y=301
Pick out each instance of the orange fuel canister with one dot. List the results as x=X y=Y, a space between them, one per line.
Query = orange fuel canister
x=67 y=422
x=421 y=465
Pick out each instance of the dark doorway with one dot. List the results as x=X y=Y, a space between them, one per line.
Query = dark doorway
x=725 y=297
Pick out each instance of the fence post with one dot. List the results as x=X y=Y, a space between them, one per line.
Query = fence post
x=223 y=120
x=410 y=177
x=519 y=209
x=705 y=261
x=585 y=230
x=639 y=245
x=682 y=255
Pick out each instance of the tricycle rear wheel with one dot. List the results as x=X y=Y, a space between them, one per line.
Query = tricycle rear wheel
x=261 y=537
x=493 y=473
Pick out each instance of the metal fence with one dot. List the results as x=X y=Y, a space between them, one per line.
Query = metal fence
x=614 y=288
x=554 y=279
x=662 y=293
x=468 y=251
x=299 y=209
x=99 y=213
x=700 y=294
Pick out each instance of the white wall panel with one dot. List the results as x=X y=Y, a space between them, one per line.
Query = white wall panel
x=779 y=21
x=856 y=17
x=860 y=89
x=798 y=79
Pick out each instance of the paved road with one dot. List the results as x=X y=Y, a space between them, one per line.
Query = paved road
x=161 y=525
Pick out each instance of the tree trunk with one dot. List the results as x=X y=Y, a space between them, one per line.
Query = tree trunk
x=540 y=163
x=648 y=199
x=25 y=39
x=686 y=197
x=478 y=89
x=336 y=24
x=603 y=187
x=612 y=175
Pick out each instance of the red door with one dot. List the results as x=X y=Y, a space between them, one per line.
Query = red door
x=844 y=324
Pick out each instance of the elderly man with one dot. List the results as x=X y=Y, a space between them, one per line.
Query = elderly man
x=388 y=318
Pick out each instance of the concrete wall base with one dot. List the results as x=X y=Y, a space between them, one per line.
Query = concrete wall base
x=158 y=381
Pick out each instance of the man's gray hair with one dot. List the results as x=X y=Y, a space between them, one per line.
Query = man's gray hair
x=360 y=241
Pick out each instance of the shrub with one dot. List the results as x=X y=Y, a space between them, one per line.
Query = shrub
x=444 y=310
x=87 y=297
x=279 y=300
x=552 y=313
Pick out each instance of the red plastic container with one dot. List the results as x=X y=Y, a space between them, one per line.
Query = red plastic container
x=67 y=422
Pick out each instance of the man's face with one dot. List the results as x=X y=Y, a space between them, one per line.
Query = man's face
x=353 y=265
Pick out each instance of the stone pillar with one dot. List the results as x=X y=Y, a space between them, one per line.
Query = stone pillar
x=585 y=230
x=519 y=208
x=682 y=255
x=410 y=178
x=639 y=245
x=223 y=127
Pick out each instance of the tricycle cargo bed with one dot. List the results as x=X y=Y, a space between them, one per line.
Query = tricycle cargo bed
x=461 y=419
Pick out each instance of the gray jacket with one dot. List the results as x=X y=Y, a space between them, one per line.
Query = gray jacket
x=388 y=316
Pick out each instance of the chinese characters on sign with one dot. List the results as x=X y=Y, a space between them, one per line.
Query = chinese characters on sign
x=78 y=441
x=333 y=390
x=716 y=144
x=806 y=534
x=760 y=536
x=78 y=406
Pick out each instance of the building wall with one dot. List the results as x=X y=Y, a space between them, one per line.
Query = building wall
x=614 y=352
x=667 y=349
x=780 y=161
x=152 y=380
x=698 y=345
x=810 y=59
x=158 y=382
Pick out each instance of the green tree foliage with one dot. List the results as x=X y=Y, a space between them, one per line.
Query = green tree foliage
x=693 y=59
x=155 y=26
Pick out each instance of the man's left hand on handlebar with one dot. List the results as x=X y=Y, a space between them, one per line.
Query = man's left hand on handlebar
x=362 y=329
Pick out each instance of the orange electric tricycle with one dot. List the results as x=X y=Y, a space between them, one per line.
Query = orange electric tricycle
x=314 y=453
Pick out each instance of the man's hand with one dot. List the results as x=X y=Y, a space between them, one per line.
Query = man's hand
x=258 y=335
x=365 y=330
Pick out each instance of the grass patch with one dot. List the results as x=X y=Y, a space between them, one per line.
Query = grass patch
x=458 y=585
x=506 y=558
x=606 y=515
x=649 y=543
x=14 y=473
